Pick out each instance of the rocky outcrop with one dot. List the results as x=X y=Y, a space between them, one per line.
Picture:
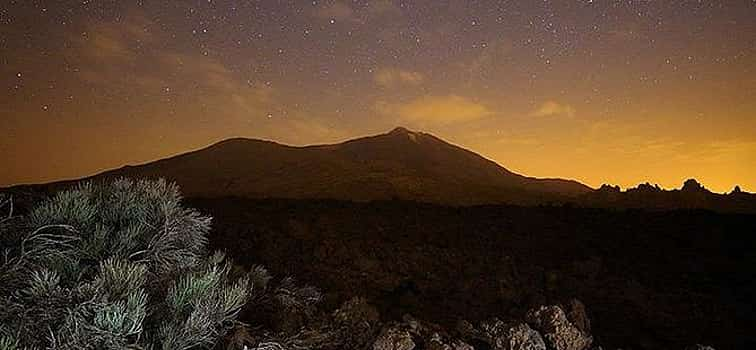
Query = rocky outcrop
x=557 y=330
x=692 y=185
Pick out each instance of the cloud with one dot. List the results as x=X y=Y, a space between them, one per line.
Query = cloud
x=389 y=77
x=553 y=108
x=109 y=42
x=106 y=46
x=435 y=110
x=113 y=49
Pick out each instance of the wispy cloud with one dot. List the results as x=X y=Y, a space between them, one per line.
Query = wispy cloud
x=435 y=110
x=110 y=49
x=390 y=77
x=115 y=43
x=553 y=108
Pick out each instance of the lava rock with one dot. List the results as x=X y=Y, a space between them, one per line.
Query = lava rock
x=520 y=337
x=501 y=335
x=558 y=331
x=357 y=323
x=437 y=342
x=393 y=338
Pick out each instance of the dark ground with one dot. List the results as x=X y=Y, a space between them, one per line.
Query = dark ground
x=650 y=279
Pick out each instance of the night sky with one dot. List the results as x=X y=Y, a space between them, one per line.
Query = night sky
x=600 y=91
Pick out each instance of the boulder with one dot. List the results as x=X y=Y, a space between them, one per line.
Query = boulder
x=557 y=330
x=357 y=323
x=501 y=335
x=393 y=338
x=520 y=337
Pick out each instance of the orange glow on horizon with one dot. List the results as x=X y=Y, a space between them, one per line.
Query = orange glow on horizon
x=622 y=94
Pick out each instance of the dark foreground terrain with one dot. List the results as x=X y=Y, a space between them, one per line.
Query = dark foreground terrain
x=650 y=279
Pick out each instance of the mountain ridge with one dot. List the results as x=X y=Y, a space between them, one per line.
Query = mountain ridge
x=399 y=164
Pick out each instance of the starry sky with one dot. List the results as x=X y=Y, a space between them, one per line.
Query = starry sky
x=600 y=91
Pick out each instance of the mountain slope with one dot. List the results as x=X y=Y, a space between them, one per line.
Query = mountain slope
x=400 y=164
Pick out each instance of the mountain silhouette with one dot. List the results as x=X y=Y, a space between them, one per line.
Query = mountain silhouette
x=400 y=164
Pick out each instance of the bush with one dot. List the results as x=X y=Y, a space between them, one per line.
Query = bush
x=119 y=265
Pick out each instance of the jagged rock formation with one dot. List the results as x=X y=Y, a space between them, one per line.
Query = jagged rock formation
x=692 y=195
x=692 y=185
